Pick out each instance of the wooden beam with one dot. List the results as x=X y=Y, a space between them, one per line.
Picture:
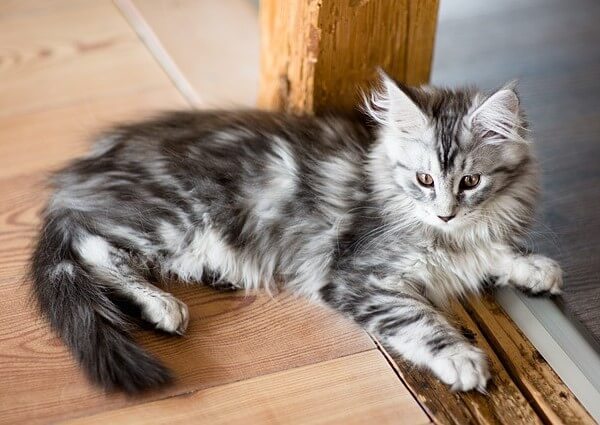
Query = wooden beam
x=318 y=54
x=547 y=394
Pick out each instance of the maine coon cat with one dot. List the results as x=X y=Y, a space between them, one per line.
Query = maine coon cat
x=382 y=220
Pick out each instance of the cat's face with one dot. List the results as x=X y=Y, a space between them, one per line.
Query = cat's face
x=453 y=153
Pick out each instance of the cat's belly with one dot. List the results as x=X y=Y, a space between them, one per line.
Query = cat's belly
x=205 y=251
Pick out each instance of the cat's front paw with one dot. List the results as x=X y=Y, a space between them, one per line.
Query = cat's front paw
x=463 y=366
x=544 y=276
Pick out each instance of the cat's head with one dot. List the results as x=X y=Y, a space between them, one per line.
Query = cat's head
x=461 y=158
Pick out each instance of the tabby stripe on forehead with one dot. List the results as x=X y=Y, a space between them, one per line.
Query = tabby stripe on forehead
x=447 y=152
x=446 y=129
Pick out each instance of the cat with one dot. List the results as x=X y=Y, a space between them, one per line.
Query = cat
x=382 y=219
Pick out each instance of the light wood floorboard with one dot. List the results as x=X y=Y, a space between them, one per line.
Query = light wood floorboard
x=70 y=54
x=351 y=390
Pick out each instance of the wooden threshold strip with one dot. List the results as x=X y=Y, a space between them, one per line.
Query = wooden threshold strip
x=524 y=388
x=547 y=394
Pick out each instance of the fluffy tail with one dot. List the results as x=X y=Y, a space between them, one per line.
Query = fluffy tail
x=81 y=312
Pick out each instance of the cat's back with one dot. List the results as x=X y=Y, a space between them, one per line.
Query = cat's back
x=218 y=156
x=245 y=131
x=189 y=142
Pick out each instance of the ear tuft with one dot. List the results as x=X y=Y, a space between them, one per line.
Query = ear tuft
x=498 y=117
x=392 y=107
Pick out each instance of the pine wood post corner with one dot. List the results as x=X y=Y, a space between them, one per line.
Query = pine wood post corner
x=319 y=54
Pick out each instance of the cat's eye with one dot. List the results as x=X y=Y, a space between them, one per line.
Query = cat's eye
x=425 y=179
x=470 y=181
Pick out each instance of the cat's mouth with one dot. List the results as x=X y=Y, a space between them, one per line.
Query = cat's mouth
x=446 y=224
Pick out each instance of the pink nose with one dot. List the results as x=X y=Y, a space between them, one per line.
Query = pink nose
x=446 y=218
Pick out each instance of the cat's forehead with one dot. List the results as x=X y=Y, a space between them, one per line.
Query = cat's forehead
x=451 y=154
x=450 y=149
x=447 y=137
x=446 y=144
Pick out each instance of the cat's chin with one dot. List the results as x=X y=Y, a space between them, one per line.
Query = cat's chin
x=447 y=227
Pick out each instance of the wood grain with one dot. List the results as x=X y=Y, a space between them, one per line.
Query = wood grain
x=356 y=389
x=46 y=62
x=11 y=9
x=288 y=53
x=58 y=134
x=549 y=396
x=19 y=211
x=317 y=55
x=422 y=18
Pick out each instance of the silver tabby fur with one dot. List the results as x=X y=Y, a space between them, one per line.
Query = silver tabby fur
x=328 y=206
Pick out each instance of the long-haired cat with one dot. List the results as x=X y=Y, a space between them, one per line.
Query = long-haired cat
x=381 y=220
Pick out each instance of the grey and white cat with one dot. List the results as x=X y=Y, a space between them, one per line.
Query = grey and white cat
x=382 y=220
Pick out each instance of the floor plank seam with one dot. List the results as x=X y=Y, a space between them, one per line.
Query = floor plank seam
x=191 y=392
x=396 y=371
x=548 y=414
x=143 y=30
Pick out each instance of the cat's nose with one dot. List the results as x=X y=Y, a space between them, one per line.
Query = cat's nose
x=446 y=218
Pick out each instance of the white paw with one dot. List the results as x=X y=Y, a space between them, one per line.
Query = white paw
x=545 y=275
x=464 y=367
x=167 y=313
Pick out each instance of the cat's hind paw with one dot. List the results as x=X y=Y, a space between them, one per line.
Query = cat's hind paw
x=463 y=367
x=167 y=313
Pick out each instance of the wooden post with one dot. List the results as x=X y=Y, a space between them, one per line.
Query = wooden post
x=318 y=54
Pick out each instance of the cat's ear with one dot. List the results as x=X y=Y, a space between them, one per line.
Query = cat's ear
x=498 y=118
x=391 y=106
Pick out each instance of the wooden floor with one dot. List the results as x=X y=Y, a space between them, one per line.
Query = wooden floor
x=551 y=46
x=69 y=67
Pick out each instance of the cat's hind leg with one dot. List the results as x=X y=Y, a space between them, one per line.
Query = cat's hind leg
x=217 y=282
x=117 y=269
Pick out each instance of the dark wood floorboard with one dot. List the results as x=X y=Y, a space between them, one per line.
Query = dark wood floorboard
x=552 y=48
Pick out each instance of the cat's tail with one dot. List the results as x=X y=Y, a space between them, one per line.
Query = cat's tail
x=79 y=309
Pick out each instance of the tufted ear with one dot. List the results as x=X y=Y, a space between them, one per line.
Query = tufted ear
x=391 y=106
x=498 y=118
